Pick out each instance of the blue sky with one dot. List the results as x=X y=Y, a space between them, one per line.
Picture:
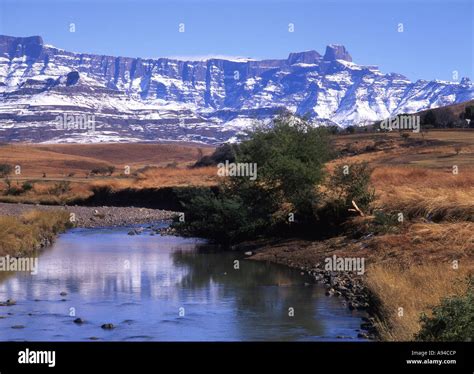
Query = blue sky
x=437 y=36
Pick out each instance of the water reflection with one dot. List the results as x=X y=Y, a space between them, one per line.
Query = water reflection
x=139 y=283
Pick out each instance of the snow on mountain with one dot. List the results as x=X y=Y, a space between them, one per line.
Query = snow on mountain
x=209 y=100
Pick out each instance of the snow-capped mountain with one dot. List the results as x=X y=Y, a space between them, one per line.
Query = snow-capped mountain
x=135 y=99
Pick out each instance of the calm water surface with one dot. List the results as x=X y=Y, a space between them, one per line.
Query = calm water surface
x=167 y=289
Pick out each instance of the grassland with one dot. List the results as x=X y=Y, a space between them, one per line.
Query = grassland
x=410 y=265
x=430 y=254
x=59 y=174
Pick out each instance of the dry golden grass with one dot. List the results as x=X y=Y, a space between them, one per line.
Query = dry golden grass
x=155 y=177
x=45 y=192
x=61 y=160
x=406 y=293
x=22 y=235
x=419 y=243
x=413 y=268
x=165 y=165
x=416 y=192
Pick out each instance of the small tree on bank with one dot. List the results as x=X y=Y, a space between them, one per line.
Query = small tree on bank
x=289 y=155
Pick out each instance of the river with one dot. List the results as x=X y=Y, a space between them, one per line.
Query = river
x=164 y=288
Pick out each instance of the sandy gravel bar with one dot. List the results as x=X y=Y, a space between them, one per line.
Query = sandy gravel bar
x=95 y=216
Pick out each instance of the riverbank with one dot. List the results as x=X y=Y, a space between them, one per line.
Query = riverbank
x=309 y=257
x=406 y=273
x=22 y=235
x=88 y=217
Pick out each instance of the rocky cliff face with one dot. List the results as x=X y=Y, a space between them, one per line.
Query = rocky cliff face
x=134 y=99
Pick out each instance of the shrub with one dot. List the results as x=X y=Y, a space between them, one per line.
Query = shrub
x=385 y=222
x=12 y=190
x=60 y=188
x=222 y=218
x=27 y=186
x=350 y=129
x=452 y=320
x=103 y=170
x=352 y=183
x=225 y=152
x=5 y=170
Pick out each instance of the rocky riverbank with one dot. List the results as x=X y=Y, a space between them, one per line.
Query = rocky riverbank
x=309 y=257
x=94 y=216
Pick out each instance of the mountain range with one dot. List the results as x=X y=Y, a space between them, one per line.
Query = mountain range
x=209 y=101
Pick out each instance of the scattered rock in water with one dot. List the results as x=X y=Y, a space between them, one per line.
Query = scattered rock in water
x=132 y=232
x=330 y=292
x=108 y=326
x=79 y=321
x=93 y=338
x=63 y=293
x=9 y=302
x=18 y=327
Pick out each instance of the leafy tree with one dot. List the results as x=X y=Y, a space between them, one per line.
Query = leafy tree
x=289 y=154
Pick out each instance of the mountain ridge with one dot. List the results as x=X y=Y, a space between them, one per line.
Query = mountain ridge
x=211 y=101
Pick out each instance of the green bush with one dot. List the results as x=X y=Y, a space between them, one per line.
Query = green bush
x=223 y=153
x=27 y=186
x=5 y=170
x=452 y=320
x=12 y=190
x=290 y=155
x=103 y=170
x=222 y=218
x=352 y=183
x=385 y=222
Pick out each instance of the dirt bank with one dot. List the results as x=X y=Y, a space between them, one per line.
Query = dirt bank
x=309 y=256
